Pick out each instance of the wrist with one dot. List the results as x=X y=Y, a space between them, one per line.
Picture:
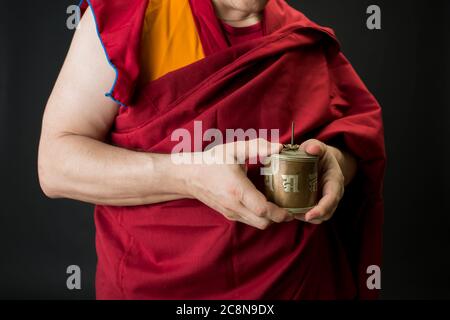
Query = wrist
x=169 y=175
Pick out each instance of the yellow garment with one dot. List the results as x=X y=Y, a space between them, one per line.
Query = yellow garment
x=169 y=39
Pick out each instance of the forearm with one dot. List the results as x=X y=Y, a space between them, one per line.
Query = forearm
x=81 y=168
x=347 y=163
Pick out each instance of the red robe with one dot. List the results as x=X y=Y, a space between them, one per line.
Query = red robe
x=185 y=250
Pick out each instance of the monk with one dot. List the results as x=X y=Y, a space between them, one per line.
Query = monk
x=166 y=230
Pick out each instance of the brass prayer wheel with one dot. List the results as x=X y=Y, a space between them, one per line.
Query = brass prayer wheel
x=291 y=179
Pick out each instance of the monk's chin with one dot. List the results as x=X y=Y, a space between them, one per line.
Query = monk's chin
x=248 y=5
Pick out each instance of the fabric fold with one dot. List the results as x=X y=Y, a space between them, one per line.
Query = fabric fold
x=296 y=72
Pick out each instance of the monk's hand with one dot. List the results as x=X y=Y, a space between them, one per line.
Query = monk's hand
x=331 y=183
x=222 y=183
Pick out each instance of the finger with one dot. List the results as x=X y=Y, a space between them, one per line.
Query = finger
x=257 y=203
x=277 y=214
x=248 y=217
x=236 y=212
x=332 y=191
x=300 y=217
x=290 y=218
x=252 y=149
x=314 y=147
x=328 y=203
x=252 y=198
x=213 y=204
x=316 y=221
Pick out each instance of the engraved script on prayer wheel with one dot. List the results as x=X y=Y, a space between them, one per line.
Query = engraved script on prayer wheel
x=292 y=179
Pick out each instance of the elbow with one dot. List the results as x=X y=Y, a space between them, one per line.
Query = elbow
x=48 y=191
x=47 y=177
x=48 y=187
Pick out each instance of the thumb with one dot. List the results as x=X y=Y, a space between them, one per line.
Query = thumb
x=314 y=147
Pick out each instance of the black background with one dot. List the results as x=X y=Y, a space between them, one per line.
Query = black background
x=405 y=65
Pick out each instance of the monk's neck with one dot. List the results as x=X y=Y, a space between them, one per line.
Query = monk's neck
x=235 y=17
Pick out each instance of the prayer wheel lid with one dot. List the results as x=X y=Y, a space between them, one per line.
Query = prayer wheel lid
x=294 y=153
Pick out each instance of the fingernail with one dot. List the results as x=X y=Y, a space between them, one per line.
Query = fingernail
x=312 y=216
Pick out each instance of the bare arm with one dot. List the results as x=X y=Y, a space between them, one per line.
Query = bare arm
x=76 y=163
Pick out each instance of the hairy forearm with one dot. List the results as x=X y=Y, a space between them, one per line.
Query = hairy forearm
x=347 y=163
x=82 y=168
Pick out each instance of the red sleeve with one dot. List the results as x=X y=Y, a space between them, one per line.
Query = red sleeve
x=119 y=27
x=359 y=130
